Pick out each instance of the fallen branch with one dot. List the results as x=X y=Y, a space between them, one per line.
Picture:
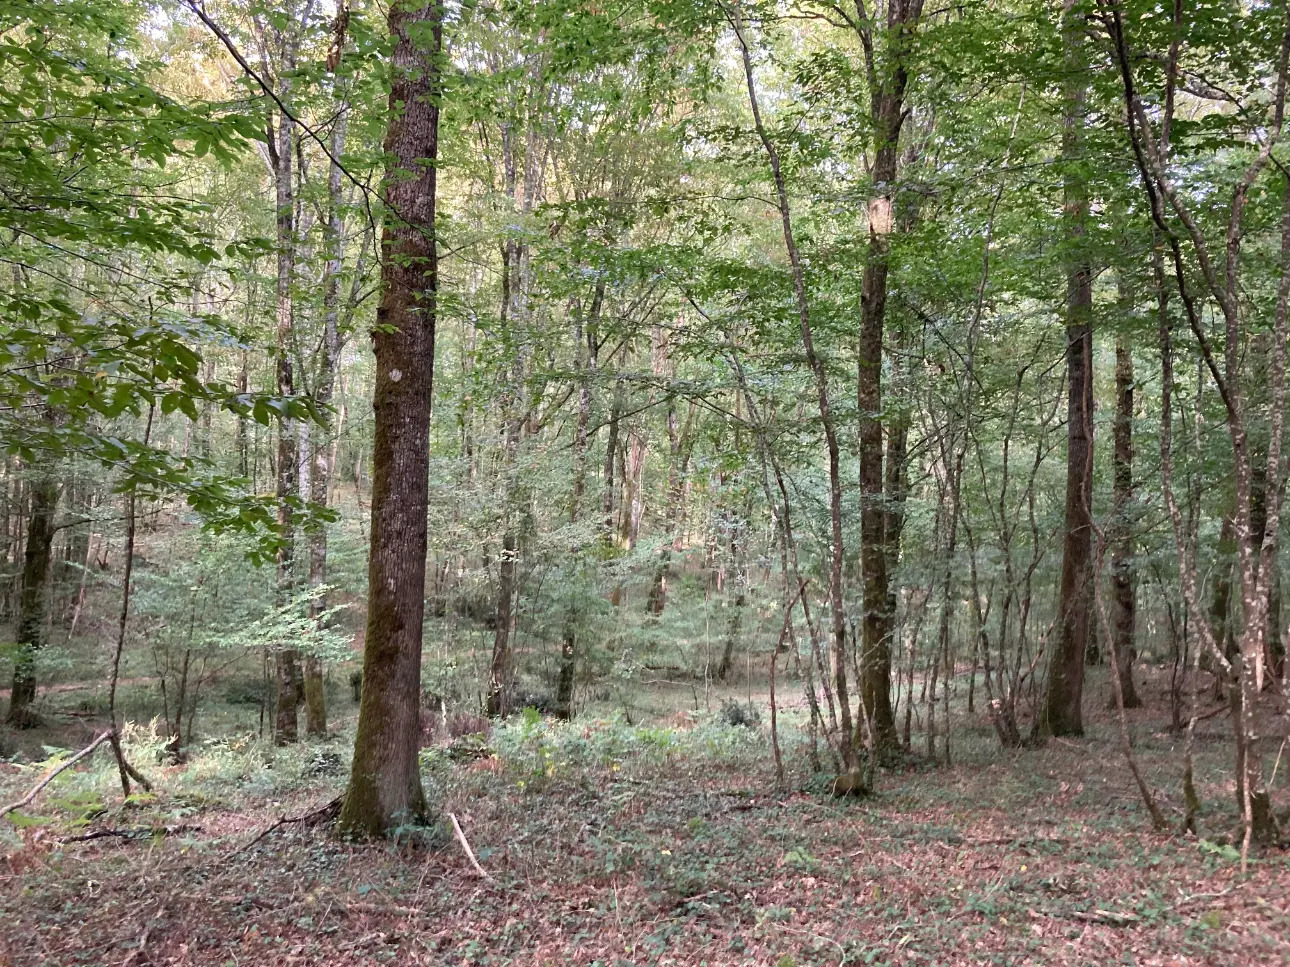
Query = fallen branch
x=1107 y=917
x=324 y=812
x=53 y=773
x=470 y=854
x=137 y=832
x=379 y=909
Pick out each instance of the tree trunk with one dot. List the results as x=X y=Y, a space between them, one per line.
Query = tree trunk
x=1123 y=585
x=32 y=601
x=285 y=657
x=734 y=624
x=320 y=472
x=502 y=674
x=242 y=445
x=681 y=447
x=846 y=741
x=584 y=362
x=385 y=781
x=611 y=452
x=875 y=655
x=1062 y=713
x=887 y=82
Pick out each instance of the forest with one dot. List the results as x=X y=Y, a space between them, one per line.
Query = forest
x=671 y=482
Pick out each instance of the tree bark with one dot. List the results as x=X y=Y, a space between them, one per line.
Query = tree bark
x=1123 y=585
x=285 y=657
x=734 y=624
x=385 y=781
x=681 y=446
x=584 y=362
x=43 y=494
x=1062 y=713
x=888 y=81
x=325 y=388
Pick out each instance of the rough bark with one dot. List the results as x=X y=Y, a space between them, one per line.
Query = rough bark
x=1123 y=585
x=385 y=782
x=888 y=78
x=32 y=601
x=1062 y=712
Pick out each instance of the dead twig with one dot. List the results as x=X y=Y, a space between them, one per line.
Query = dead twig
x=470 y=854
x=1108 y=917
x=53 y=773
x=137 y=832
x=321 y=814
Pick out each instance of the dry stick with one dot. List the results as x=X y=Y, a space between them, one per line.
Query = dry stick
x=470 y=854
x=50 y=776
x=325 y=811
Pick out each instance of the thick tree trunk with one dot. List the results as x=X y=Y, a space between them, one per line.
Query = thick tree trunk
x=1062 y=713
x=1123 y=585
x=30 y=632
x=875 y=654
x=886 y=49
x=385 y=782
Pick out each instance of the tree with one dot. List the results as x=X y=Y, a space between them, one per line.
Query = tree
x=1123 y=585
x=33 y=600
x=385 y=780
x=1062 y=713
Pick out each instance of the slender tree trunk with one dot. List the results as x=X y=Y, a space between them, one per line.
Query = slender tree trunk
x=611 y=454
x=320 y=473
x=32 y=603
x=681 y=446
x=734 y=624
x=847 y=746
x=1123 y=585
x=385 y=781
x=502 y=674
x=243 y=447
x=1275 y=649
x=125 y=771
x=1220 y=603
x=584 y=362
x=285 y=657
x=1062 y=713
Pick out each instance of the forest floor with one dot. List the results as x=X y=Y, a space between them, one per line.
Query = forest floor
x=613 y=844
